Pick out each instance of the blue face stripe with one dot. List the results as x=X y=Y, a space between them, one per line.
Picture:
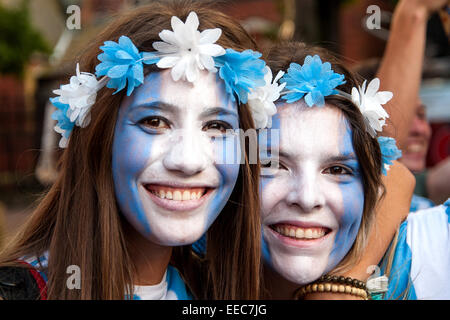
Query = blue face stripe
x=352 y=193
x=126 y=135
x=224 y=147
x=268 y=139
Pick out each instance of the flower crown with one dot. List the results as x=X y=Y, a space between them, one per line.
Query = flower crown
x=186 y=51
x=315 y=80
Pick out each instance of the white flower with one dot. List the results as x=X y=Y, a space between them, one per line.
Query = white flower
x=80 y=95
x=186 y=50
x=63 y=142
x=369 y=102
x=261 y=100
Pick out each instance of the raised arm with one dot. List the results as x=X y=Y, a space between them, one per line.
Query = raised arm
x=401 y=66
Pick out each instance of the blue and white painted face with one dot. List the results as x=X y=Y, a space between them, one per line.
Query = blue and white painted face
x=168 y=143
x=312 y=201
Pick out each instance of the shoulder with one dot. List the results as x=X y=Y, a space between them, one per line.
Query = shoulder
x=420 y=263
x=18 y=283
x=26 y=280
x=430 y=226
x=400 y=286
x=428 y=237
x=420 y=203
x=176 y=287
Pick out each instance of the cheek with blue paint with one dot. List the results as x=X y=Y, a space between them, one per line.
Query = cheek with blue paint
x=168 y=179
x=352 y=192
x=268 y=146
x=132 y=148
x=227 y=153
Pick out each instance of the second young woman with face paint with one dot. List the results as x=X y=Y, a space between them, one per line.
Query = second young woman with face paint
x=330 y=173
x=318 y=200
x=145 y=175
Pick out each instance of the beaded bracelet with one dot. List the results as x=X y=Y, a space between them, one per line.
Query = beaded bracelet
x=335 y=284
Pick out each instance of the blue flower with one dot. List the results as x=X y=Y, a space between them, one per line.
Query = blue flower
x=315 y=79
x=389 y=152
x=64 y=125
x=122 y=63
x=60 y=115
x=241 y=71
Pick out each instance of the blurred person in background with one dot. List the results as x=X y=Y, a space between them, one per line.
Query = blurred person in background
x=400 y=71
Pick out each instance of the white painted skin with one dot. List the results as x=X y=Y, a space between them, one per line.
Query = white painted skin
x=177 y=150
x=312 y=188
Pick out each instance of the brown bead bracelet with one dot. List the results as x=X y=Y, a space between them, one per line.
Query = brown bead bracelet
x=335 y=284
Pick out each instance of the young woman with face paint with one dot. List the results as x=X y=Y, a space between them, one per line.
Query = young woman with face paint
x=318 y=198
x=145 y=179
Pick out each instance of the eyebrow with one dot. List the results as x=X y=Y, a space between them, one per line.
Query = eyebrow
x=218 y=111
x=345 y=157
x=158 y=105
x=281 y=154
x=338 y=158
x=171 y=108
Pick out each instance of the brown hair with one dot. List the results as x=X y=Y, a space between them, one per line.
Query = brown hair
x=78 y=220
x=367 y=148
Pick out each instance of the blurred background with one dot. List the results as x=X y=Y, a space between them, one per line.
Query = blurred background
x=40 y=39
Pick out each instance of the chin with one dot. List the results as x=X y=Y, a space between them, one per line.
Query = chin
x=173 y=235
x=413 y=164
x=300 y=270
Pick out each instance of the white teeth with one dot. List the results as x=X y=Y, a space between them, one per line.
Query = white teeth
x=300 y=233
x=308 y=234
x=415 y=148
x=177 y=195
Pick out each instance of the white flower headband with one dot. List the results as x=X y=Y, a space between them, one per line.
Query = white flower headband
x=315 y=80
x=186 y=51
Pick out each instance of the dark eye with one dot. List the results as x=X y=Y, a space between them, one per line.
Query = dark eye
x=274 y=164
x=337 y=170
x=216 y=126
x=154 y=123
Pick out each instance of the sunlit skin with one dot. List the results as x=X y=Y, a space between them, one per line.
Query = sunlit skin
x=312 y=201
x=168 y=138
x=416 y=146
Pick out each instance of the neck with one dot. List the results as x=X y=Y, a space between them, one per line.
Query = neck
x=150 y=260
x=277 y=287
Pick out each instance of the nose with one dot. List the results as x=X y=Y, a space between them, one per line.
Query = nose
x=306 y=193
x=420 y=127
x=188 y=154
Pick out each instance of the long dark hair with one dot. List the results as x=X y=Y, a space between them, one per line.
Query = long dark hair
x=78 y=220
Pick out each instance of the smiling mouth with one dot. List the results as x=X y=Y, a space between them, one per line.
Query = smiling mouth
x=176 y=194
x=300 y=233
x=416 y=148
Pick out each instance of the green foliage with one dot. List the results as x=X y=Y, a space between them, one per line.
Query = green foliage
x=18 y=40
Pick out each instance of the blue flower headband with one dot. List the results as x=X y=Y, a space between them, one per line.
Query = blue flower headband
x=315 y=80
x=186 y=51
